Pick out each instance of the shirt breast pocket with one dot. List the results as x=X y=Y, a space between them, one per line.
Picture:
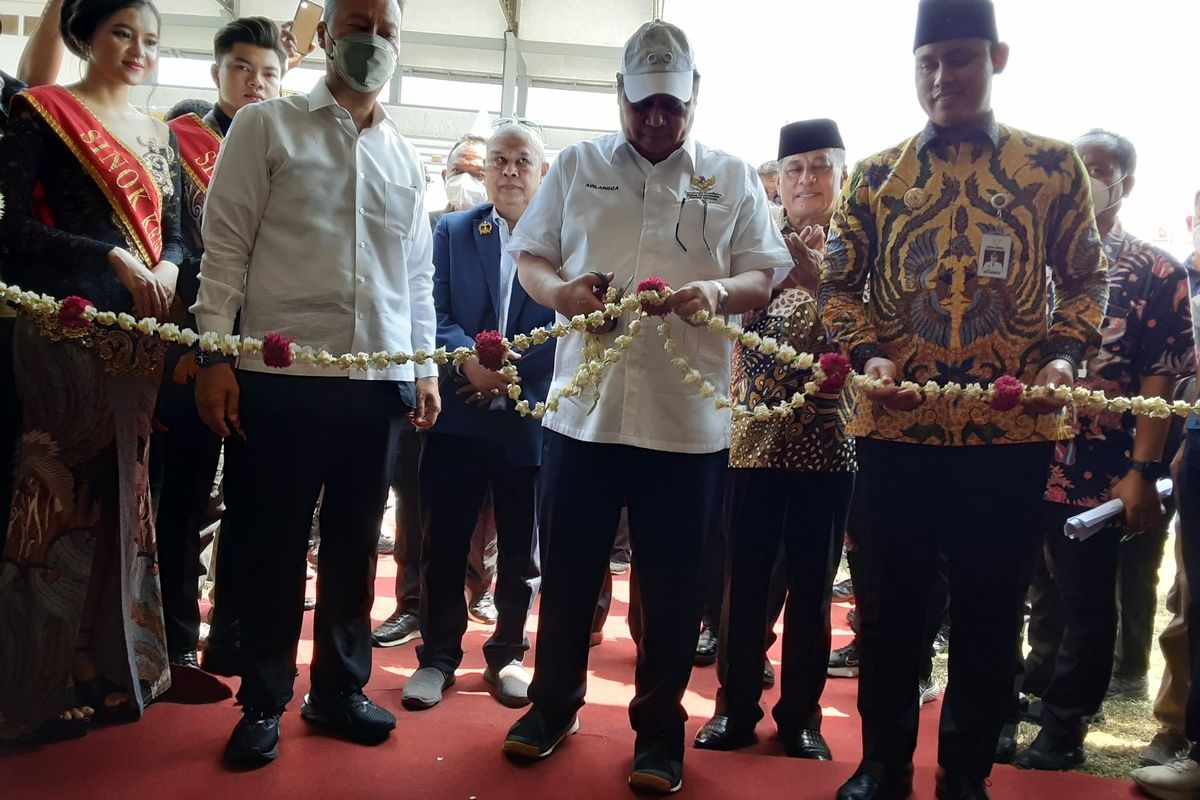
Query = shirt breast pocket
x=400 y=206
x=707 y=227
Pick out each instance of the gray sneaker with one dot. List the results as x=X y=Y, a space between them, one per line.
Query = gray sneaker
x=1165 y=747
x=424 y=689
x=1128 y=688
x=510 y=686
x=1176 y=780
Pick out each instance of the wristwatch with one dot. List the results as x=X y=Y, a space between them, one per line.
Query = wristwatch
x=207 y=358
x=1150 y=470
x=722 y=296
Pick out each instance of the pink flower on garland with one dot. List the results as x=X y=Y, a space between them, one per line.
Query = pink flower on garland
x=1008 y=393
x=71 y=313
x=277 y=350
x=653 y=284
x=490 y=350
x=837 y=369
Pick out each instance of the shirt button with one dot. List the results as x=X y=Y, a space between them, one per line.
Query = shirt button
x=362 y=244
x=362 y=280
x=362 y=211
x=362 y=316
x=362 y=174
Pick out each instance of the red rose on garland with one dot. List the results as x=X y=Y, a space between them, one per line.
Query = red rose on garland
x=837 y=369
x=71 y=313
x=653 y=284
x=277 y=350
x=490 y=350
x=1008 y=391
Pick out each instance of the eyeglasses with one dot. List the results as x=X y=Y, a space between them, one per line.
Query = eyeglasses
x=524 y=122
x=703 y=225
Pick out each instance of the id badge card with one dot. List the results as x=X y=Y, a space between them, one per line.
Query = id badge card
x=995 y=255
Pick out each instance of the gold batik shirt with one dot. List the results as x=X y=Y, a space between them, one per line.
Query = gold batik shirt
x=908 y=231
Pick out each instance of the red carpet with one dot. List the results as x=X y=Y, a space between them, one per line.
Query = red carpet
x=453 y=750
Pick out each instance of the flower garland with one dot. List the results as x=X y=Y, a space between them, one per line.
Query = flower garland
x=77 y=313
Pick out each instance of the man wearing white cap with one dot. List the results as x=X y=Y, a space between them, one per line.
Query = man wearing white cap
x=647 y=201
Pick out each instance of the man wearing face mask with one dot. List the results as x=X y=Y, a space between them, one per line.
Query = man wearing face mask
x=1147 y=346
x=355 y=277
x=463 y=176
x=647 y=201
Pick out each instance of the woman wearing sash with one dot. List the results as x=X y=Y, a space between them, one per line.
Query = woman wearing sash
x=92 y=190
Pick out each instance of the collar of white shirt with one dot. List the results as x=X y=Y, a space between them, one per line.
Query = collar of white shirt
x=621 y=144
x=320 y=97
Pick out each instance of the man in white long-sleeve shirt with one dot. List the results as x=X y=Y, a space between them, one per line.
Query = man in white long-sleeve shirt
x=315 y=229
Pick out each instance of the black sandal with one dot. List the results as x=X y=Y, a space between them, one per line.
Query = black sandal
x=59 y=729
x=95 y=691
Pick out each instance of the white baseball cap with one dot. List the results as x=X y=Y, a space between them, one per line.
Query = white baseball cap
x=658 y=60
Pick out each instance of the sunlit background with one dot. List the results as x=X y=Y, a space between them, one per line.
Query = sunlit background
x=1132 y=67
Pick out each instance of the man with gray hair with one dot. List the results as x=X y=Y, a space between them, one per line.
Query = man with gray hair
x=768 y=173
x=481 y=442
x=647 y=201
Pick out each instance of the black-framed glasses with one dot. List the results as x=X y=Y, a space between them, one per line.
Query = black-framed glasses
x=703 y=225
x=524 y=122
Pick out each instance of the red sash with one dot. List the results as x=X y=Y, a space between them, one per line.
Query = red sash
x=121 y=175
x=198 y=147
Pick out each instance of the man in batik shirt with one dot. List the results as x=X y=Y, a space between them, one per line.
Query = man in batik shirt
x=1147 y=347
x=789 y=481
x=917 y=224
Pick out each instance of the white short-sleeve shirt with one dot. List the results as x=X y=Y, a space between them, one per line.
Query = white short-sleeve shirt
x=605 y=208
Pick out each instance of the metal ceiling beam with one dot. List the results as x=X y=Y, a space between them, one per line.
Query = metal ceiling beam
x=512 y=14
x=441 y=40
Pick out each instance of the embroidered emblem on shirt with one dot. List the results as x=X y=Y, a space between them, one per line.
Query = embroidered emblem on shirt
x=702 y=188
x=485 y=228
x=602 y=188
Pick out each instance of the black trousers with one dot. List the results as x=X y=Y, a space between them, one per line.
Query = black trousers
x=187 y=452
x=673 y=498
x=1187 y=496
x=456 y=472
x=806 y=513
x=303 y=433
x=410 y=532
x=1084 y=576
x=1138 y=562
x=976 y=506
x=10 y=424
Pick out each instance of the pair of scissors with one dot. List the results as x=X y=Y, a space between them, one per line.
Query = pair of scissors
x=601 y=290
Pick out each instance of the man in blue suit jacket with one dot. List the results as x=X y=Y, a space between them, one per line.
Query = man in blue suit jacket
x=480 y=439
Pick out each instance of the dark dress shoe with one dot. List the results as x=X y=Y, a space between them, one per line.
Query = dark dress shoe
x=185 y=658
x=1050 y=753
x=876 y=782
x=658 y=763
x=953 y=786
x=706 y=646
x=533 y=736
x=1006 y=745
x=401 y=627
x=719 y=733
x=352 y=716
x=768 y=674
x=806 y=743
x=255 y=739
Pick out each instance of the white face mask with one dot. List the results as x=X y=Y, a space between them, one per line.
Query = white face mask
x=465 y=191
x=1105 y=197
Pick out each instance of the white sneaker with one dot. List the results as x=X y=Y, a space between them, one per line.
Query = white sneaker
x=929 y=691
x=1177 y=780
x=510 y=686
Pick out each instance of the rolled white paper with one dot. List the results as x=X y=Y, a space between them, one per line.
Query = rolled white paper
x=1090 y=521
